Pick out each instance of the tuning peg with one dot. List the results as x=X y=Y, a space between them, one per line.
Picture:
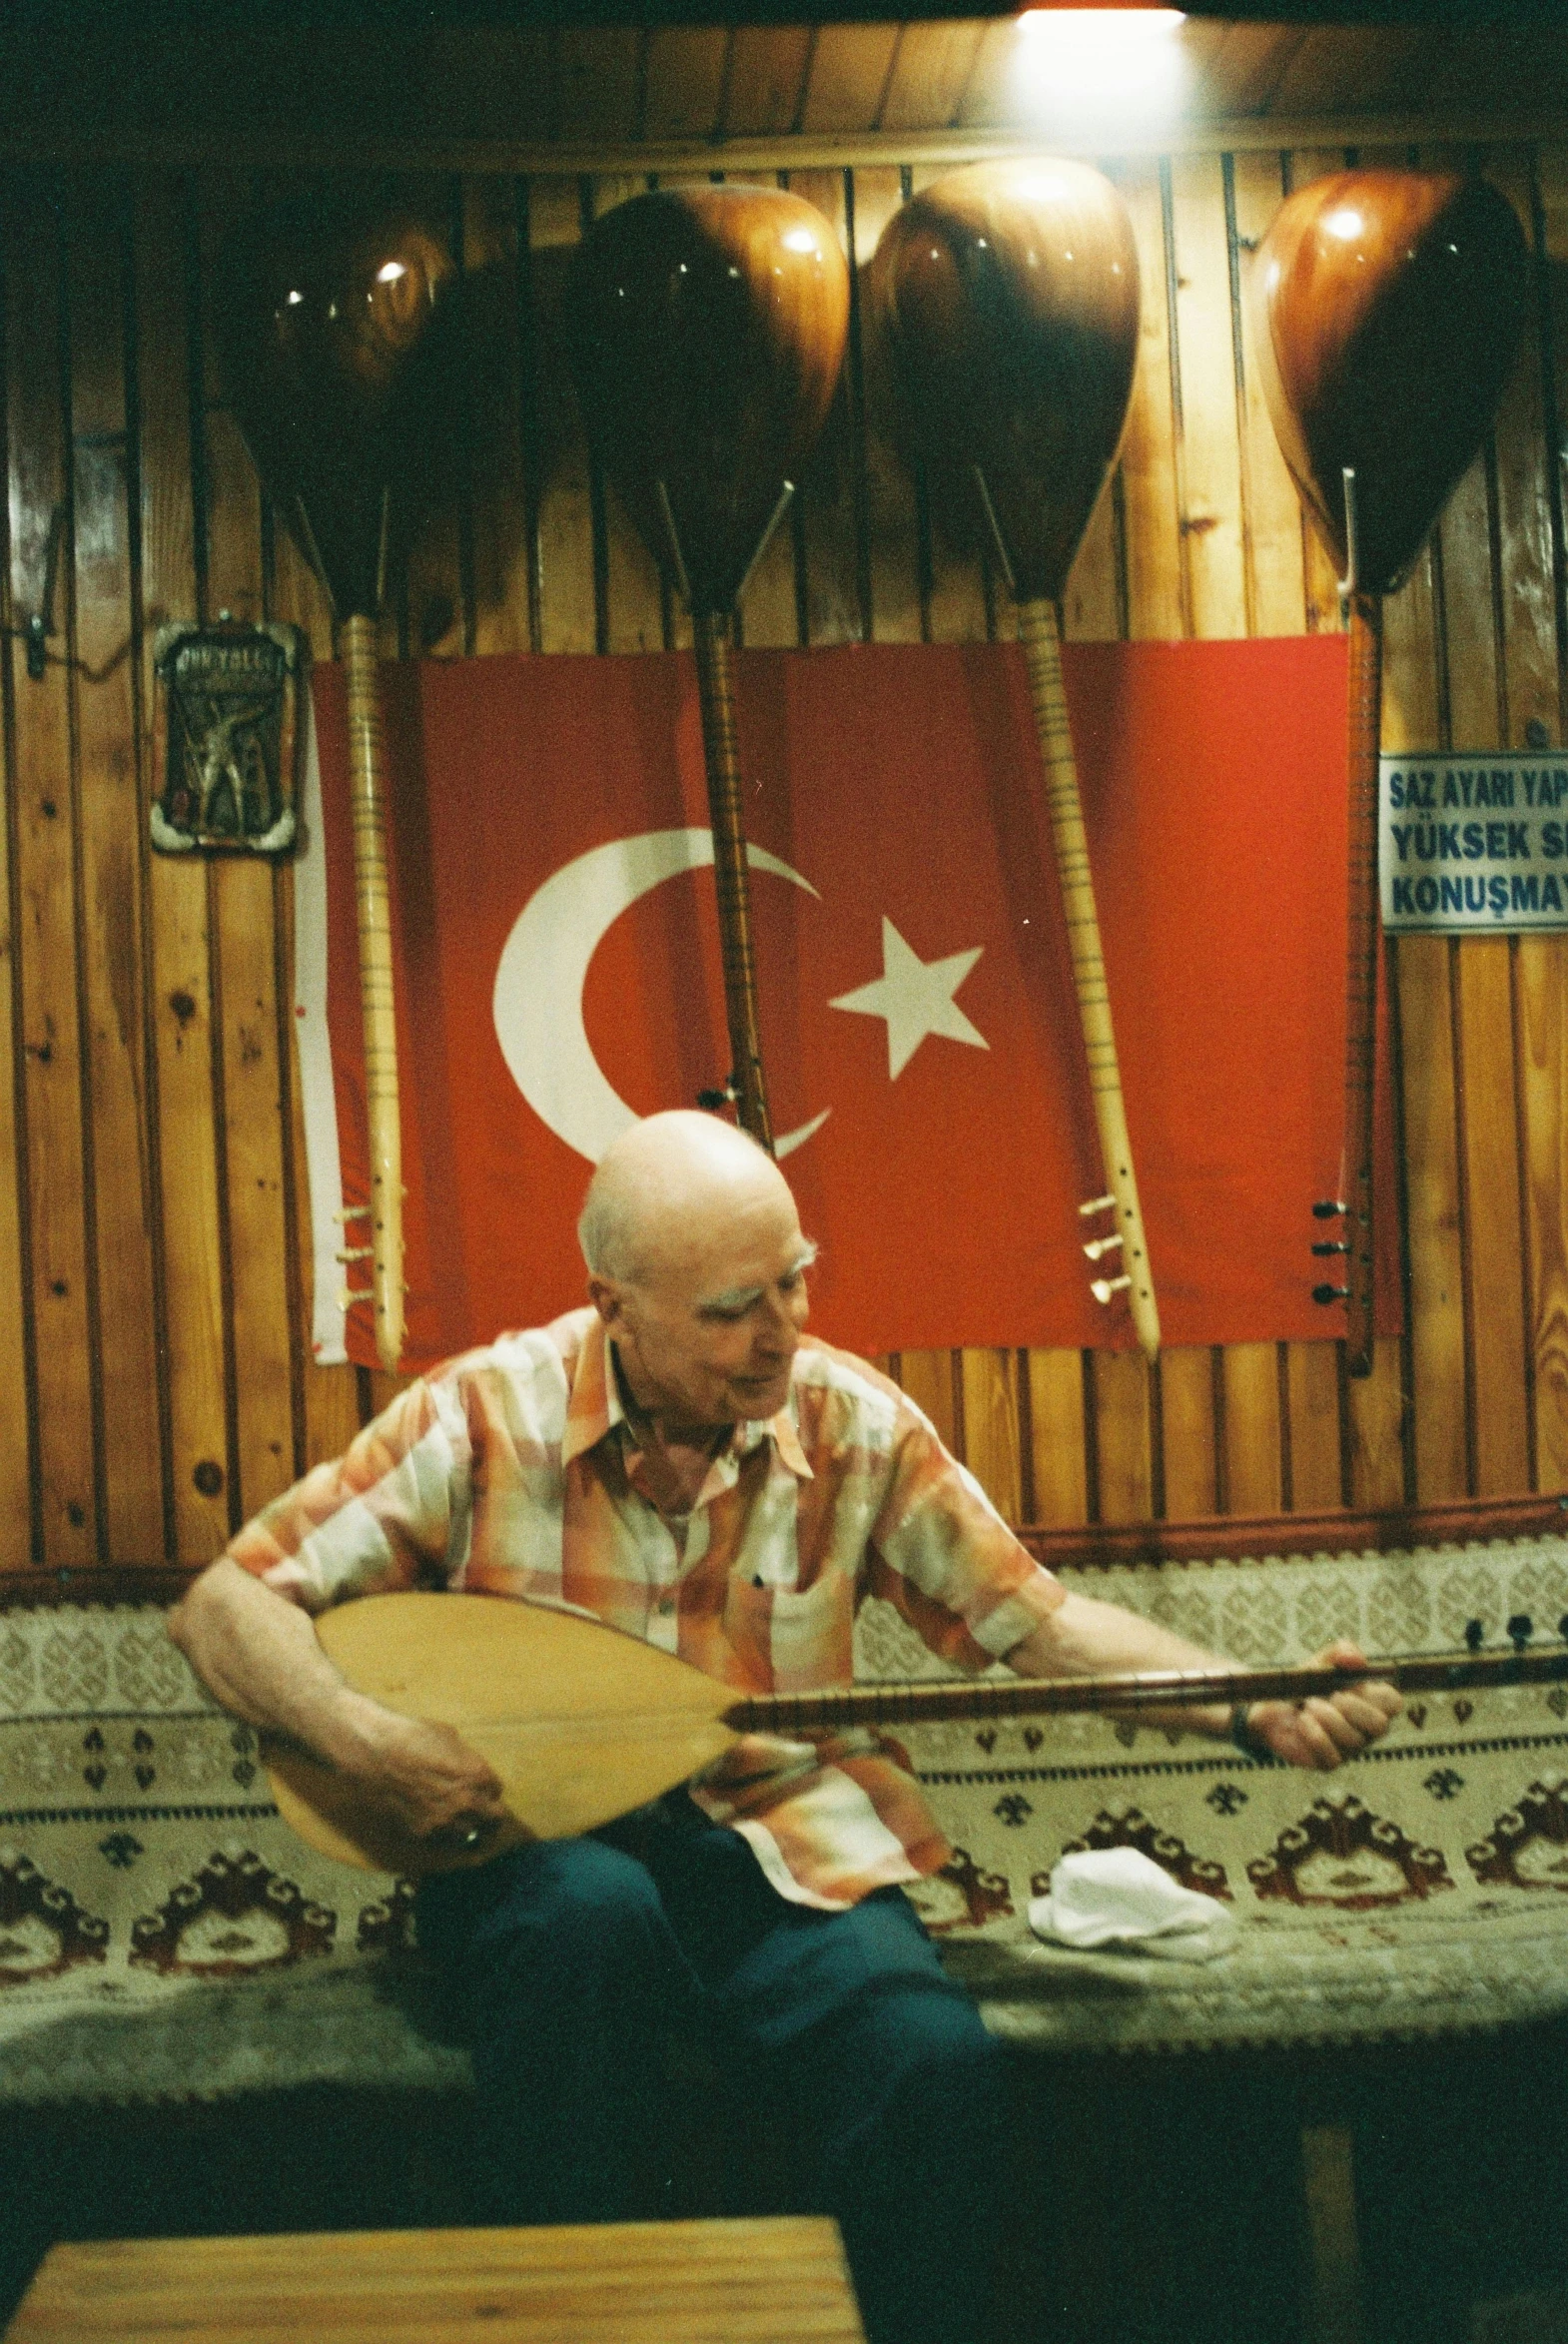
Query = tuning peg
x=1328 y=1208
x=1103 y=1287
x=1520 y=1629
x=1474 y=1634
x=1326 y=1245
x=1093 y=1205
x=1099 y=1246
x=1330 y=1294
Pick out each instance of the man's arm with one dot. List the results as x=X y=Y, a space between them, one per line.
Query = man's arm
x=259 y=1655
x=1083 y=1637
x=942 y=1553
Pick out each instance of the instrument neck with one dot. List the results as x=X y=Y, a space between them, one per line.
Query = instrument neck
x=1040 y=637
x=716 y=688
x=1363 y=939
x=373 y=911
x=1155 y=1690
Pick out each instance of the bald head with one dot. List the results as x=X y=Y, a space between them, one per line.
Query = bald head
x=665 y=1186
x=697 y=1267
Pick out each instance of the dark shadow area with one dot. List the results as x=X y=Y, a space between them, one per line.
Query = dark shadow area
x=1152 y=2201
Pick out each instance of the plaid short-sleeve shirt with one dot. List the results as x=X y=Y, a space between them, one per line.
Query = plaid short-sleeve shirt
x=515 y=1470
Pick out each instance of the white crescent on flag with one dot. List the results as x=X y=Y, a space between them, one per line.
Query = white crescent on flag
x=543 y=966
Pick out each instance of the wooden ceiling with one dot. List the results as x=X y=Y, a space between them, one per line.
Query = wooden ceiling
x=959 y=75
x=492 y=96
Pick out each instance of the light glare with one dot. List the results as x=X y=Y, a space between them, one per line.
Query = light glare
x=1128 y=25
x=1346 y=224
x=390 y=271
x=1040 y=188
x=1099 y=62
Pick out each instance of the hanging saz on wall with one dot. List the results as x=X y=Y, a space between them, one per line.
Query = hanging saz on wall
x=225 y=739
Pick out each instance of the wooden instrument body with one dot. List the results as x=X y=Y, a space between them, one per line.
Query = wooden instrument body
x=1391 y=307
x=1006 y=296
x=339 y=332
x=339 y=336
x=707 y=328
x=1003 y=303
x=580 y=1721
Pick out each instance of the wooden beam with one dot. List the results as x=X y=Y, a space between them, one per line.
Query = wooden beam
x=1098 y=1546
x=1393 y=1529
x=190 y=147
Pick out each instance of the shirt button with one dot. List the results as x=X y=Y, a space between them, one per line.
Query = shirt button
x=667 y=1606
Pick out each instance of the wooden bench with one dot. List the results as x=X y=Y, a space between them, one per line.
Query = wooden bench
x=777 y=2281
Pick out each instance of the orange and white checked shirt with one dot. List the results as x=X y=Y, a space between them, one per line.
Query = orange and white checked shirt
x=515 y=1470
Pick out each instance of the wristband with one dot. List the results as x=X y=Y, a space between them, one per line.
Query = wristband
x=1246 y=1740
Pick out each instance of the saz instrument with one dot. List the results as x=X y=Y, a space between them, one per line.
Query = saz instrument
x=1006 y=298
x=706 y=328
x=583 y=1721
x=1389 y=308
x=337 y=338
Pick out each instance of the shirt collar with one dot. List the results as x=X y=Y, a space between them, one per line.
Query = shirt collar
x=593 y=1408
x=593 y=1403
x=786 y=1438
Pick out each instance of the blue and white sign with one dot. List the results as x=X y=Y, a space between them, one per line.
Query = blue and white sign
x=1474 y=842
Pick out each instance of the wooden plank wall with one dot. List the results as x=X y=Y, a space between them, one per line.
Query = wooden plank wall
x=154 y=1381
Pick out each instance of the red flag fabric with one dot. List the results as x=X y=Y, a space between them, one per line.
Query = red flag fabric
x=558 y=972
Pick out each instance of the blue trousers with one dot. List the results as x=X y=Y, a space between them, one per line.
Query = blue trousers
x=867 y=2070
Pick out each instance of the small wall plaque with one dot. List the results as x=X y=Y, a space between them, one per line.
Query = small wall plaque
x=225 y=738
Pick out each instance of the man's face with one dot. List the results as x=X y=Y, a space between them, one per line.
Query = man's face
x=706 y=1334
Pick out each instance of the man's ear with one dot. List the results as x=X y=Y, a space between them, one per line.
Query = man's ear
x=605 y=1295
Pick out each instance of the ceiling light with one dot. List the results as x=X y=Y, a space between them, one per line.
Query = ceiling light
x=1099 y=64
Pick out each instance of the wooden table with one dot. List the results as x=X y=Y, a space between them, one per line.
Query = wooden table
x=745 y=2282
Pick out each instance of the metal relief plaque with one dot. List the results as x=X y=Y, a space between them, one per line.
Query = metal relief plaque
x=225 y=739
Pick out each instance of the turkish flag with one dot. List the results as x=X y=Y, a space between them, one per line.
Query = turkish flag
x=558 y=972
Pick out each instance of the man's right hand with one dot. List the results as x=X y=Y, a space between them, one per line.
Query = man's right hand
x=425 y=1776
x=261 y=1656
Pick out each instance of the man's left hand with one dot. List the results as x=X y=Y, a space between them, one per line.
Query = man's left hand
x=1327 y=1727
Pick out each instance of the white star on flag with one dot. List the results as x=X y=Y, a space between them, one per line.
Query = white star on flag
x=916 y=997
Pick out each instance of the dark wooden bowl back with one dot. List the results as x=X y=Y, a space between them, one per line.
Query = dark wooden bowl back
x=1005 y=297
x=706 y=327
x=1390 y=307
x=339 y=339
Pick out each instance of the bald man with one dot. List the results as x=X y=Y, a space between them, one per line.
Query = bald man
x=682 y=1459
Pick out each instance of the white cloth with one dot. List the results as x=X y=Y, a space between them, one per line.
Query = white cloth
x=1119 y=1898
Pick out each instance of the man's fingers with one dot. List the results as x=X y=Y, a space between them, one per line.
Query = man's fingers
x=1346 y=1737
x=1308 y=1741
x=1367 y=1715
x=1382 y=1698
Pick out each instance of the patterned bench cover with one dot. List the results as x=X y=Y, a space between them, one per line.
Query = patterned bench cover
x=163 y=1935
